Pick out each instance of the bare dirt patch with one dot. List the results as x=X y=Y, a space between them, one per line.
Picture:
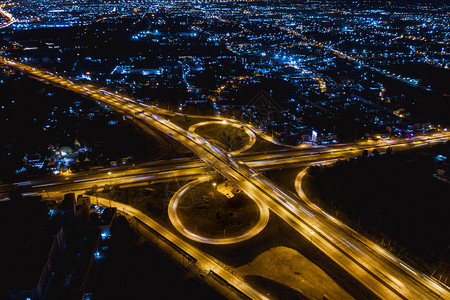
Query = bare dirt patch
x=288 y=267
x=208 y=213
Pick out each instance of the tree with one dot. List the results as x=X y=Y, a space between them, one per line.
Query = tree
x=365 y=153
x=313 y=170
x=389 y=151
x=375 y=153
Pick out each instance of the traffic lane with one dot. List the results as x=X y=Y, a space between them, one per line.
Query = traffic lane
x=218 y=154
x=204 y=261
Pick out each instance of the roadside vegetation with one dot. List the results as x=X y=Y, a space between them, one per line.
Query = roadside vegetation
x=133 y=267
x=40 y=120
x=394 y=199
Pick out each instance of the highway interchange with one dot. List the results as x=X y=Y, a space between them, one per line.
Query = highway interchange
x=203 y=261
x=385 y=275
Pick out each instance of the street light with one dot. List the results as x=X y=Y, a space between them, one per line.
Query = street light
x=109 y=174
x=214 y=192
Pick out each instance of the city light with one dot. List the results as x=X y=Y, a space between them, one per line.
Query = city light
x=286 y=109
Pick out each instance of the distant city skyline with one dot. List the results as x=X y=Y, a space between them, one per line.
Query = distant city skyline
x=265 y=147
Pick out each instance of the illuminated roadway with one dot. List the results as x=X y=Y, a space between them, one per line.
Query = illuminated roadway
x=8 y=17
x=186 y=168
x=176 y=222
x=204 y=261
x=248 y=131
x=387 y=277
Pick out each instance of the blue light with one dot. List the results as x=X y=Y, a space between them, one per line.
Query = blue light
x=441 y=157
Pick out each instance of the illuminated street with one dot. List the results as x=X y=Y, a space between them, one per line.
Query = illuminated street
x=204 y=261
x=7 y=16
x=262 y=222
x=375 y=268
x=230 y=137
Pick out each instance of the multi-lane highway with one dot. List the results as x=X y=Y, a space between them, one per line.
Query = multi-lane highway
x=251 y=134
x=387 y=277
x=8 y=17
x=185 y=168
x=203 y=261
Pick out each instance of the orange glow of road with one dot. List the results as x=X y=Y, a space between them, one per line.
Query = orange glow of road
x=366 y=261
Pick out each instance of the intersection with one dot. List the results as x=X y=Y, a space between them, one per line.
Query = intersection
x=385 y=275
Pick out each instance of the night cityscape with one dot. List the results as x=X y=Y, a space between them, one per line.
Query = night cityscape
x=226 y=149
